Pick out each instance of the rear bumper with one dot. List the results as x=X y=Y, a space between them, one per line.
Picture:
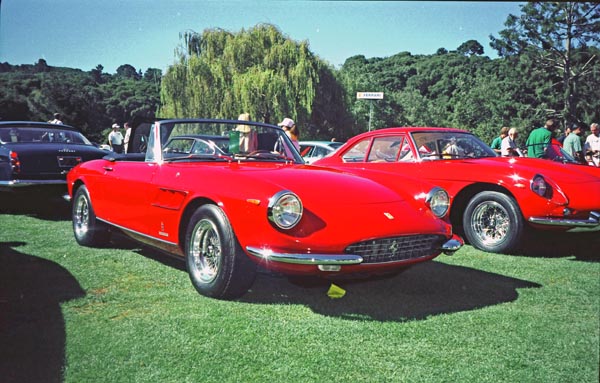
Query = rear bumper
x=34 y=186
x=15 y=184
x=573 y=225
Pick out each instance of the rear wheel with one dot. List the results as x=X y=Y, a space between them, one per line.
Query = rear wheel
x=86 y=227
x=216 y=264
x=493 y=222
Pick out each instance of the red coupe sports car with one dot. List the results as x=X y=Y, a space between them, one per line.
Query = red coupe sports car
x=230 y=196
x=493 y=198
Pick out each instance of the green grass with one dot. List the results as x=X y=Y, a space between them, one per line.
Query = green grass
x=129 y=314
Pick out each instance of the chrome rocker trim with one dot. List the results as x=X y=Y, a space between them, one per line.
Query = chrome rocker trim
x=590 y=224
x=305 y=259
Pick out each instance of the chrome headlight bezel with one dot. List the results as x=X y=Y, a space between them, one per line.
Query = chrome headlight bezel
x=285 y=209
x=540 y=186
x=438 y=201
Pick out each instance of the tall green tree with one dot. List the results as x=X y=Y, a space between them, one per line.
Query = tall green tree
x=469 y=48
x=259 y=71
x=557 y=35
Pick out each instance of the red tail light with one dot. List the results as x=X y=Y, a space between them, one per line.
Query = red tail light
x=15 y=164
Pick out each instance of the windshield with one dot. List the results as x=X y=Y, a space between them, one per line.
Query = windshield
x=555 y=152
x=197 y=140
x=40 y=135
x=436 y=145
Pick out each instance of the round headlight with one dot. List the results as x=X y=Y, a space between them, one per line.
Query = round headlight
x=285 y=209
x=438 y=201
x=539 y=185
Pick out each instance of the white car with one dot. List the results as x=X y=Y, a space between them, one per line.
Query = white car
x=314 y=150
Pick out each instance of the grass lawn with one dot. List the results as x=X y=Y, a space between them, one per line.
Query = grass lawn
x=130 y=314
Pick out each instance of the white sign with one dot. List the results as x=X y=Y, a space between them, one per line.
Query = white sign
x=369 y=95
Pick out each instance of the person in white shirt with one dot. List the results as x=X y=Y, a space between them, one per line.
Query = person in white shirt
x=56 y=119
x=127 y=135
x=115 y=139
x=591 y=147
x=509 y=147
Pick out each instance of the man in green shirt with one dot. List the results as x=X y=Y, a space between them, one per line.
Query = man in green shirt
x=539 y=140
x=572 y=144
x=497 y=142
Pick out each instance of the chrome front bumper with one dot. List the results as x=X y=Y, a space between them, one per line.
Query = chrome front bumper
x=576 y=225
x=448 y=248
x=305 y=259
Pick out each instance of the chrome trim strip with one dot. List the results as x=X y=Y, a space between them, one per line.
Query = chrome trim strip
x=24 y=183
x=305 y=259
x=133 y=232
x=451 y=246
x=592 y=222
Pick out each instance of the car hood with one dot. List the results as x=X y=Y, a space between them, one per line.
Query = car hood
x=340 y=201
x=314 y=185
x=326 y=185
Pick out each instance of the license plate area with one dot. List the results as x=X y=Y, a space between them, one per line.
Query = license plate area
x=68 y=161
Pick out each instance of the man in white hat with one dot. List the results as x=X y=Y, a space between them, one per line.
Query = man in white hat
x=115 y=139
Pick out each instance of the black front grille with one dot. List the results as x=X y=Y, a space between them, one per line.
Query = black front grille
x=395 y=249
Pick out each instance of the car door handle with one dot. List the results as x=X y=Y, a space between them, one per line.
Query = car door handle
x=108 y=168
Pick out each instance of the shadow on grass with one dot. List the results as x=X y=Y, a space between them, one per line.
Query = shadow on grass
x=430 y=288
x=583 y=246
x=426 y=289
x=42 y=205
x=32 y=328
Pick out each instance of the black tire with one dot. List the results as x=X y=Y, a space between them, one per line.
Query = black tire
x=216 y=263
x=87 y=229
x=493 y=222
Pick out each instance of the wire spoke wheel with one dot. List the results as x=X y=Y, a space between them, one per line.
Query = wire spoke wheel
x=216 y=264
x=81 y=216
x=493 y=222
x=88 y=230
x=490 y=222
x=206 y=251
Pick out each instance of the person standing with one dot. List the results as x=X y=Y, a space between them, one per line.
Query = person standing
x=126 y=139
x=291 y=130
x=572 y=143
x=248 y=136
x=56 y=120
x=509 y=147
x=561 y=139
x=591 y=148
x=115 y=139
x=497 y=142
x=539 y=139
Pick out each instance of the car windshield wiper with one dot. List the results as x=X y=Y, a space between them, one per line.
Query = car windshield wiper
x=203 y=157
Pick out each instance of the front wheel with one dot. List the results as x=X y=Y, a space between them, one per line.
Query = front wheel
x=87 y=229
x=216 y=264
x=493 y=222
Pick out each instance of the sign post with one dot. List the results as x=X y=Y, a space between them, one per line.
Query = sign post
x=369 y=96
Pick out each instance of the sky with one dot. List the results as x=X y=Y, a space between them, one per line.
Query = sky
x=146 y=33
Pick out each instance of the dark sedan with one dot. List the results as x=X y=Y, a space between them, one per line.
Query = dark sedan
x=39 y=155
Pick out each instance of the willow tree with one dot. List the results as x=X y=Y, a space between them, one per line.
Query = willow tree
x=219 y=74
x=558 y=35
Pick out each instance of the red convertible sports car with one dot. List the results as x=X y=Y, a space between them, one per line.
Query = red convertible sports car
x=493 y=198
x=230 y=196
